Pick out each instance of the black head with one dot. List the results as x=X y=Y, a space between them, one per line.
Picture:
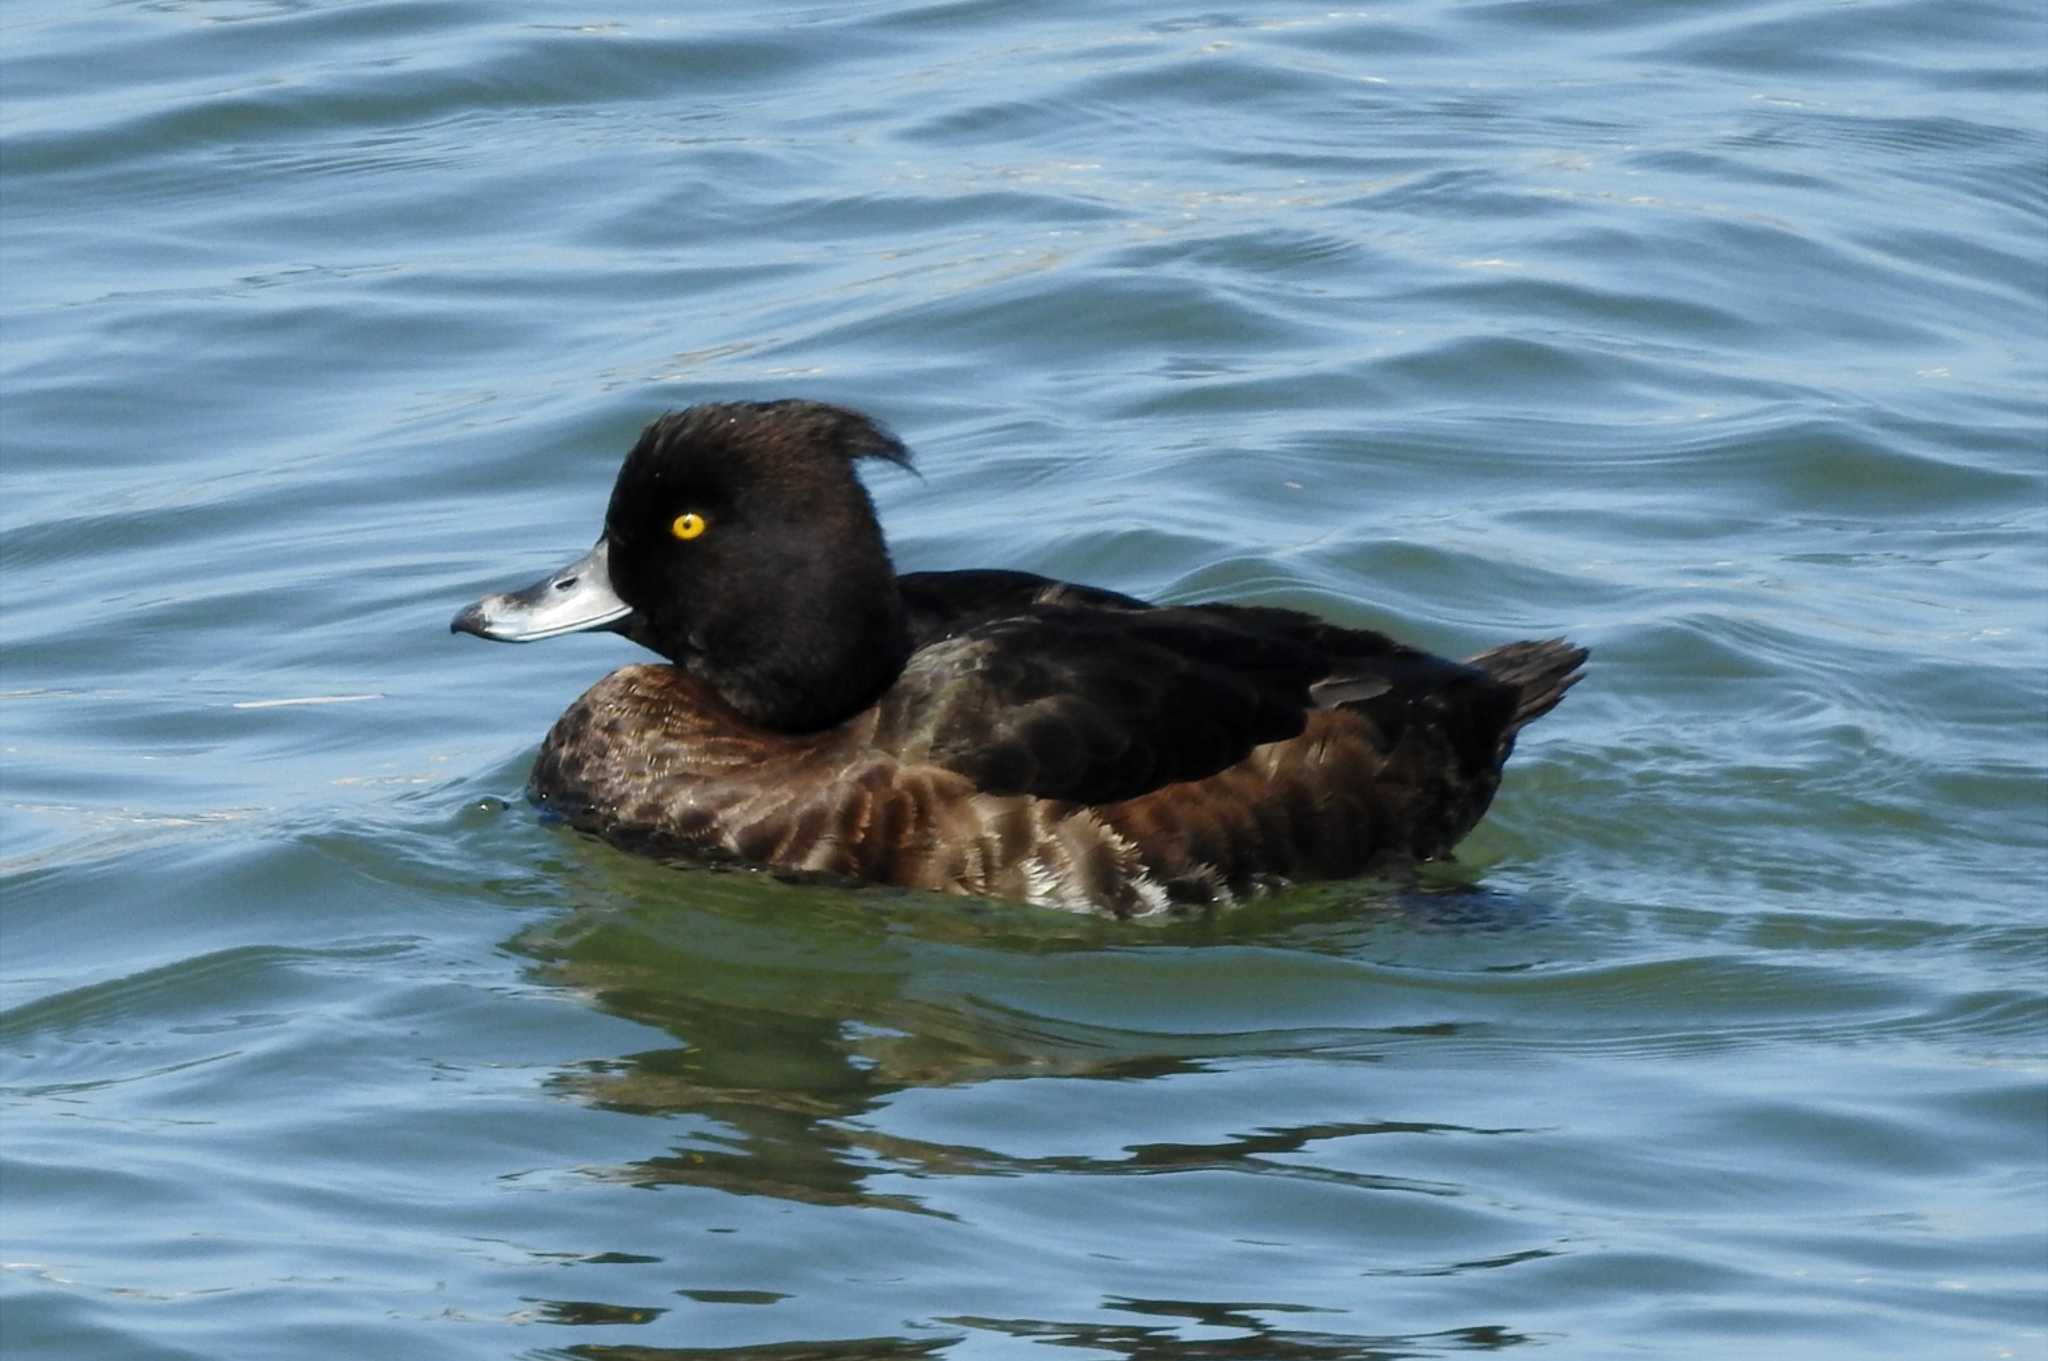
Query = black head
x=750 y=553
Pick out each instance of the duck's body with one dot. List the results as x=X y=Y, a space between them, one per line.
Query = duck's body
x=989 y=733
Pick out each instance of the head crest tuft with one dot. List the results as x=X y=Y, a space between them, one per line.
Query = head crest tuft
x=792 y=424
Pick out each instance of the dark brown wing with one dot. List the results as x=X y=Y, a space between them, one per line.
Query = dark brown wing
x=941 y=603
x=1029 y=686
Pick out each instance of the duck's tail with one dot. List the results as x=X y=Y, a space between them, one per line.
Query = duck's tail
x=1541 y=672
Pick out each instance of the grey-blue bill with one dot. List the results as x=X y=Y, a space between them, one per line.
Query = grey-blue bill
x=574 y=599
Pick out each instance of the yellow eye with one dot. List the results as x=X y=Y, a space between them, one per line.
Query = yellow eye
x=688 y=525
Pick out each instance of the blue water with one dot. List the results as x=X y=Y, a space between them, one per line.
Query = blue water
x=1715 y=336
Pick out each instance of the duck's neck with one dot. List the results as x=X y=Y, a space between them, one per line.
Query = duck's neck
x=816 y=659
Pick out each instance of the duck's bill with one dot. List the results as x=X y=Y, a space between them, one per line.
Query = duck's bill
x=575 y=599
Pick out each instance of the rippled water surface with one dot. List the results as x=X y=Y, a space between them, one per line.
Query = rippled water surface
x=1712 y=335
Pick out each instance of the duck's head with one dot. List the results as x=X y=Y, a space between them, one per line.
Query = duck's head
x=740 y=545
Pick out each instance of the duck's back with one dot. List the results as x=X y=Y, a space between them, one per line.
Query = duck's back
x=1398 y=778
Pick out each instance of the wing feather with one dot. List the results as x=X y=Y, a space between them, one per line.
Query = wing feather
x=1031 y=686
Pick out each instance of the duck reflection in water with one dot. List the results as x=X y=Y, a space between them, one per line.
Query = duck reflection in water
x=802 y=1012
